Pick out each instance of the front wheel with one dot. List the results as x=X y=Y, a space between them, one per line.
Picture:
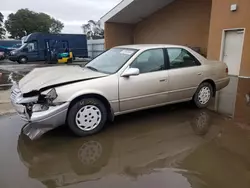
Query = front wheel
x=69 y=61
x=203 y=95
x=22 y=60
x=87 y=116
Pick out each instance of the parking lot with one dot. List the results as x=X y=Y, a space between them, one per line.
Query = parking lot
x=173 y=146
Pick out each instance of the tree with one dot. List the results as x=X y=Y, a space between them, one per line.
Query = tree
x=24 y=22
x=93 y=30
x=56 y=26
x=2 y=30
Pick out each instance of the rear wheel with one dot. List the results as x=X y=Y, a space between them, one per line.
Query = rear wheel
x=87 y=116
x=203 y=95
x=70 y=60
x=22 y=60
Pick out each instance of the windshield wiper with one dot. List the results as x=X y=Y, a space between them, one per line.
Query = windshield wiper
x=92 y=68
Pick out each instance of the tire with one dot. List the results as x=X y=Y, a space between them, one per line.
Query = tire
x=22 y=60
x=202 y=100
x=87 y=117
x=70 y=61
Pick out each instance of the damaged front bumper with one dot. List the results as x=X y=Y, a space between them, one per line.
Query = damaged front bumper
x=35 y=130
x=53 y=116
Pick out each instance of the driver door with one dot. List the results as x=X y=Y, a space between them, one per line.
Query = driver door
x=32 y=53
x=147 y=89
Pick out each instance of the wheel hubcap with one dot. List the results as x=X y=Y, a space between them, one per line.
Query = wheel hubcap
x=201 y=121
x=23 y=60
x=90 y=152
x=88 y=117
x=204 y=95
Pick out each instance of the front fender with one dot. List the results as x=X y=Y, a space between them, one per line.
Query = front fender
x=66 y=97
x=106 y=87
x=86 y=92
x=114 y=105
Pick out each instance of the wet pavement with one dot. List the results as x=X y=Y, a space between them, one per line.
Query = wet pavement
x=6 y=78
x=173 y=146
x=6 y=81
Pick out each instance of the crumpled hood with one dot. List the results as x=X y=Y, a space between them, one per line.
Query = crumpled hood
x=40 y=78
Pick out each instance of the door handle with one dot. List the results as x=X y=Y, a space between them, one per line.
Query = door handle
x=163 y=80
x=199 y=73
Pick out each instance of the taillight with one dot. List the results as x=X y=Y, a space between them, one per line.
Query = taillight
x=226 y=70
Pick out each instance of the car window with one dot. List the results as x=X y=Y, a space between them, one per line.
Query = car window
x=179 y=58
x=32 y=46
x=112 y=60
x=149 y=61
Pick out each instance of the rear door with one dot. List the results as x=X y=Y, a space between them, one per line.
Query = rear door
x=185 y=74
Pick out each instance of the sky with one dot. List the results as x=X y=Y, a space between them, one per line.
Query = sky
x=73 y=13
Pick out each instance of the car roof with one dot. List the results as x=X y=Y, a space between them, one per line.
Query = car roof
x=149 y=46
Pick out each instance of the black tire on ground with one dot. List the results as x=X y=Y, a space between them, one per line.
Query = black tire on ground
x=196 y=97
x=77 y=107
x=70 y=60
x=22 y=60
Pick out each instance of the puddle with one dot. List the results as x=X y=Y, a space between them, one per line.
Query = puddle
x=7 y=78
x=183 y=147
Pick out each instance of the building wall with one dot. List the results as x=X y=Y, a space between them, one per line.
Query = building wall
x=223 y=18
x=95 y=47
x=118 y=34
x=184 y=22
x=242 y=109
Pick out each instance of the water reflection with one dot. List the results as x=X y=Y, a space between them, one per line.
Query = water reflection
x=222 y=162
x=232 y=100
x=131 y=149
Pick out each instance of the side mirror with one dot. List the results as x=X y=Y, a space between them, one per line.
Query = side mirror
x=131 y=72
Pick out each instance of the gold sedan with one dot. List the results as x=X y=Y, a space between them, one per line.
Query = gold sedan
x=121 y=80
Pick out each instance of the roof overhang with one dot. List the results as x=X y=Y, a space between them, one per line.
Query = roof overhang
x=133 y=11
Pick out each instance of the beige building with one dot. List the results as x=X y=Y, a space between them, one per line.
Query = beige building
x=219 y=28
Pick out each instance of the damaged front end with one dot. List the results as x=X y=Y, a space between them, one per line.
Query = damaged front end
x=39 y=107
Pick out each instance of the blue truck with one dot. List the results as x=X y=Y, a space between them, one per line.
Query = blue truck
x=45 y=47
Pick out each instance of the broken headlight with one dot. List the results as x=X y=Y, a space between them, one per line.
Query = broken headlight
x=51 y=96
x=45 y=101
x=39 y=107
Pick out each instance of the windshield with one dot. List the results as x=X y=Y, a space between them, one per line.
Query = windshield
x=111 y=61
x=16 y=45
x=23 y=46
x=31 y=46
